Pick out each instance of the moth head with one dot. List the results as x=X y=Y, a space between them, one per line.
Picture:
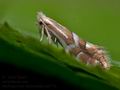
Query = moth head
x=42 y=19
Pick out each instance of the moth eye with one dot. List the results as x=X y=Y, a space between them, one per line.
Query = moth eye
x=40 y=23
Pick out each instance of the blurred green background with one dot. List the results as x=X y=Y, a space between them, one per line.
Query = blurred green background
x=97 y=21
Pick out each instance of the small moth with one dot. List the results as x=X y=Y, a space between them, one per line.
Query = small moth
x=70 y=41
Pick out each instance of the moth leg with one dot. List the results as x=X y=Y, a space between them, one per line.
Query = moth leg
x=49 y=36
x=56 y=41
x=42 y=34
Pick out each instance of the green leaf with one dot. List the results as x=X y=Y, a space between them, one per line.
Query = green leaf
x=27 y=52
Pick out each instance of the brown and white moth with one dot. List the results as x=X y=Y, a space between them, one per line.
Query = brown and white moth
x=81 y=49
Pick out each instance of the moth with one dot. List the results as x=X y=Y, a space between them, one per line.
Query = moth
x=85 y=51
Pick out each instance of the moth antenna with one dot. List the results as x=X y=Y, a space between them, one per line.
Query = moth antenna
x=42 y=34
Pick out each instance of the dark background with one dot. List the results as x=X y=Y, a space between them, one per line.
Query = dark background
x=12 y=76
